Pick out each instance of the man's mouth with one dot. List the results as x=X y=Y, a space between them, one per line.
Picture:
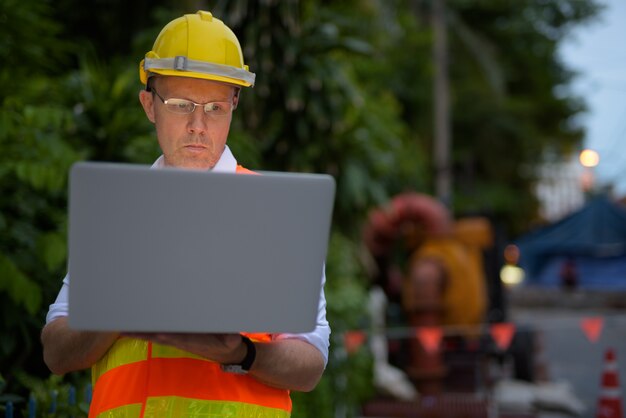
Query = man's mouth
x=195 y=147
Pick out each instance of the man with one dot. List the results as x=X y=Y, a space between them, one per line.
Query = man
x=193 y=77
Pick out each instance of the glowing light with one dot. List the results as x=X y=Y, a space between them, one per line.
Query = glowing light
x=511 y=275
x=589 y=158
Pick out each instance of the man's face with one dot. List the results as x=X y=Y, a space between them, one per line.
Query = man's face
x=194 y=140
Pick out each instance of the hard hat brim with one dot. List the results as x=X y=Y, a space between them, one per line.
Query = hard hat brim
x=194 y=69
x=202 y=76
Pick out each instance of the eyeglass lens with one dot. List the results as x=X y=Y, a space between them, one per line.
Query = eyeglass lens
x=184 y=106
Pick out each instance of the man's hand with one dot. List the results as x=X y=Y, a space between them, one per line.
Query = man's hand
x=286 y=364
x=221 y=348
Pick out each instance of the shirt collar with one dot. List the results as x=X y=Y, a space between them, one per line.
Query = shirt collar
x=226 y=164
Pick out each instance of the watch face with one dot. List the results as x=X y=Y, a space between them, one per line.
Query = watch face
x=234 y=368
x=246 y=364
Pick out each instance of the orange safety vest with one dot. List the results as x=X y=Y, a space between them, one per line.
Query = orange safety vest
x=242 y=170
x=137 y=378
x=141 y=379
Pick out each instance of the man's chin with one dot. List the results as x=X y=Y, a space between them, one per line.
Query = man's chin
x=190 y=163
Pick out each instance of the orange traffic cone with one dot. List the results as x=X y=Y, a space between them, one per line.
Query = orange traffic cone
x=610 y=401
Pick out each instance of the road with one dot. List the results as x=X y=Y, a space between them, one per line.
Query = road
x=567 y=352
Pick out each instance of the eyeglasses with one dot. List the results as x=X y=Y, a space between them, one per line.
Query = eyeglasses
x=186 y=107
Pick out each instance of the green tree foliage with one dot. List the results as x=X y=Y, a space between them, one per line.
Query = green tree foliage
x=51 y=115
x=506 y=74
x=309 y=112
x=33 y=163
x=505 y=79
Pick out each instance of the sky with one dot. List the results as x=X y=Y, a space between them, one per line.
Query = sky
x=598 y=52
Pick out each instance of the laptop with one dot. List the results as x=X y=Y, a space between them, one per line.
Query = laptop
x=172 y=250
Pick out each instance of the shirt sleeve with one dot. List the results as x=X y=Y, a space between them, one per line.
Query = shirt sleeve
x=59 y=307
x=320 y=336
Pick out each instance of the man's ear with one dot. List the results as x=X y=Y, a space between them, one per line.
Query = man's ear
x=236 y=98
x=147 y=102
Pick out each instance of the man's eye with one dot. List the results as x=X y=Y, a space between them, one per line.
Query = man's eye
x=214 y=107
x=188 y=106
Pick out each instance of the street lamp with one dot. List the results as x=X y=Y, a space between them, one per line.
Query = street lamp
x=511 y=274
x=589 y=158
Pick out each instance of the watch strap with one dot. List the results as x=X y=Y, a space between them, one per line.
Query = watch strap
x=246 y=363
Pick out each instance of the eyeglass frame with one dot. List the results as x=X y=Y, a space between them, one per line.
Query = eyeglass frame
x=195 y=105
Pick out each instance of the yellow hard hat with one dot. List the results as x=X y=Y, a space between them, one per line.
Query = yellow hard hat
x=198 y=46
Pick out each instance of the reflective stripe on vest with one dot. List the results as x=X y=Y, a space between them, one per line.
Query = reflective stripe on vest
x=192 y=408
x=140 y=379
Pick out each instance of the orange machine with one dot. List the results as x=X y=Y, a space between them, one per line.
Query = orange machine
x=444 y=284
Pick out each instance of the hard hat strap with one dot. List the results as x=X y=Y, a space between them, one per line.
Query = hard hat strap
x=182 y=63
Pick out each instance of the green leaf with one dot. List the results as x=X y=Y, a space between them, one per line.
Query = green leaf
x=19 y=287
x=53 y=250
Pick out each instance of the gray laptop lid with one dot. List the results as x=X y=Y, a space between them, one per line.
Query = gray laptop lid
x=189 y=251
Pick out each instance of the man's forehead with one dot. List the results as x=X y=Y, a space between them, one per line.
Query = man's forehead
x=174 y=83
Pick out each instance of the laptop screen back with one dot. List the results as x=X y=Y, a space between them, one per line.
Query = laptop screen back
x=186 y=251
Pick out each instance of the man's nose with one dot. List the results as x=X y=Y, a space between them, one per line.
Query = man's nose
x=198 y=122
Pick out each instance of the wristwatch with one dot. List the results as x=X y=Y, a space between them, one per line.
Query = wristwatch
x=244 y=366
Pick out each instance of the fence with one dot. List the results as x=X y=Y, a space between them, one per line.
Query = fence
x=54 y=409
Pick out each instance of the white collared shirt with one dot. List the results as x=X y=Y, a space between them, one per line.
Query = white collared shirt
x=226 y=164
x=320 y=337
